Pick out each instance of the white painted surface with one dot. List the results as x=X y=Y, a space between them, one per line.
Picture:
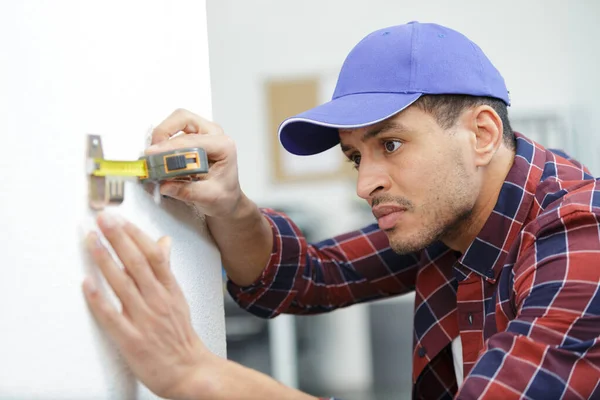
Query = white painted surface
x=68 y=68
x=283 y=354
x=344 y=337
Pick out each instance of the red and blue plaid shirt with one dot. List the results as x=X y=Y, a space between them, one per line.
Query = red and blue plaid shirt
x=524 y=297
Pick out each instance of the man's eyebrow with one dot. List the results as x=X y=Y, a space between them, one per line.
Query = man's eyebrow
x=345 y=148
x=390 y=126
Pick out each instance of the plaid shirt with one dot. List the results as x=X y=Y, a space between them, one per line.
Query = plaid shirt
x=524 y=297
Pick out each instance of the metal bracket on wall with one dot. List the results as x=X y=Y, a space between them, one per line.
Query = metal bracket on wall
x=102 y=190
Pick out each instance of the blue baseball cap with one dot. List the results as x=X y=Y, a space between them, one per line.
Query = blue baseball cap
x=386 y=72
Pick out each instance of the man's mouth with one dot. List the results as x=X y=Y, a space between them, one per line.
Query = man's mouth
x=388 y=215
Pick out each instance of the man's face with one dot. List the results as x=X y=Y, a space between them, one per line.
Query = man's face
x=418 y=178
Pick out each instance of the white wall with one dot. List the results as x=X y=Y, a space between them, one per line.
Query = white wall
x=68 y=68
x=582 y=18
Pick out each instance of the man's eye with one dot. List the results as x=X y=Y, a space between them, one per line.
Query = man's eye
x=355 y=159
x=392 y=145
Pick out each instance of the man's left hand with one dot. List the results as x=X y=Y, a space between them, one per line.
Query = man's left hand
x=153 y=331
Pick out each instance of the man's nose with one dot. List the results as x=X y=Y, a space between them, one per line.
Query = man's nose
x=372 y=179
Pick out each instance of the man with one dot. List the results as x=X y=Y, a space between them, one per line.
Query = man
x=497 y=235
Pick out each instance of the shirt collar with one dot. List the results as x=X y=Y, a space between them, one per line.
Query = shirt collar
x=487 y=252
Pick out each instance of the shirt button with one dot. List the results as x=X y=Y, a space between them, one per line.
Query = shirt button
x=422 y=352
x=470 y=318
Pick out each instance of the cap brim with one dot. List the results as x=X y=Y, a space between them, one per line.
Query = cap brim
x=316 y=130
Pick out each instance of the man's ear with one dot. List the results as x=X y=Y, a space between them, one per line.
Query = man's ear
x=488 y=129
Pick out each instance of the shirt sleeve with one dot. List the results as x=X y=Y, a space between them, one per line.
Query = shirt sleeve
x=303 y=278
x=548 y=346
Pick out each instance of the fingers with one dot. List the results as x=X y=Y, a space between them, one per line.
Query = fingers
x=218 y=191
x=145 y=261
x=217 y=147
x=132 y=256
x=156 y=254
x=115 y=324
x=123 y=286
x=165 y=244
x=183 y=121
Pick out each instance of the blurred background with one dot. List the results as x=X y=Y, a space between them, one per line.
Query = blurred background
x=270 y=59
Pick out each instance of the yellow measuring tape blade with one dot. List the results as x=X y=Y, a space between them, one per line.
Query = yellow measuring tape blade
x=120 y=168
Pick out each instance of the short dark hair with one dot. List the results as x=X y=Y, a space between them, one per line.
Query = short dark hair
x=446 y=108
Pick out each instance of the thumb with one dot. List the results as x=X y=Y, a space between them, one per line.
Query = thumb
x=201 y=191
x=173 y=189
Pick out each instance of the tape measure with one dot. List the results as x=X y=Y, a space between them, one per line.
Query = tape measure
x=183 y=164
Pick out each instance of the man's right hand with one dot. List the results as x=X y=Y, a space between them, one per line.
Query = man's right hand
x=241 y=232
x=218 y=194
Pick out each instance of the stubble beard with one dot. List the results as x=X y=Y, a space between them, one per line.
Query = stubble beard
x=444 y=229
x=439 y=223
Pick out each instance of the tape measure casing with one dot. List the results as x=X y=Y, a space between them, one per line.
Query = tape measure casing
x=176 y=164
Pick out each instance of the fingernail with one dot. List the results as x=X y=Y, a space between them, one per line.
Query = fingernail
x=168 y=243
x=111 y=220
x=93 y=241
x=89 y=285
x=152 y=149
